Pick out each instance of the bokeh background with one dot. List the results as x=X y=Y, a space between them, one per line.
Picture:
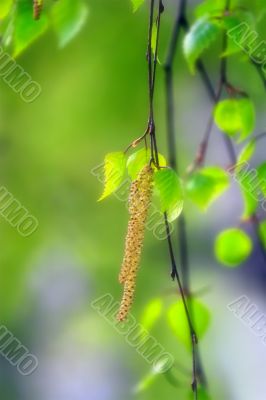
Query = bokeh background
x=93 y=101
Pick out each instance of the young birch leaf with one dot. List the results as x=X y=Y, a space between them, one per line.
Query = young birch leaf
x=170 y=191
x=235 y=116
x=262 y=177
x=233 y=25
x=27 y=30
x=247 y=152
x=137 y=4
x=139 y=159
x=206 y=185
x=250 y=203
x=232 y=247
x=177 y=320
x=114 y=169
x=249 y=186
x=68 y=18
x=5 y=7
x=151 y=313
x=198 y=39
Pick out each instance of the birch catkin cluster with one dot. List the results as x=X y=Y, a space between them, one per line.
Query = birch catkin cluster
x=139 y=202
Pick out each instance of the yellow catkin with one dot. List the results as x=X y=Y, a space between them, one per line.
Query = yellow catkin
x=37 y=8
x=139 y=201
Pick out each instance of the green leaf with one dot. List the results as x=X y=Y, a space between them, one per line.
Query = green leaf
x=233 y=26
x=247 y=152
x=235 y=116
x=198 y=39
x=203 y=187
x=177 y=320
x=262 y=233
x=27 y=30
x=5 y=7
x=137 y=4
x=232 y=247
x=262 y=177
x=68 y=18
x=139 y=159
x=250 y=203
x=151 y=313
x=170 y=191
x=114 y=169
x=248 y=183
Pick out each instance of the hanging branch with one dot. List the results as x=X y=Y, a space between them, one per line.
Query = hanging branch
x=211 y=92
x=152 y=63
x=171 y=140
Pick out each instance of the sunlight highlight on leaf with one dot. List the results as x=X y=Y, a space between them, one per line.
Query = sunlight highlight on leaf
x=170 y=191
x=114 y=169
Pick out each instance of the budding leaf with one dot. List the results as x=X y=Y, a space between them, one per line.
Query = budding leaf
x=198 y=39
x=235 y=117
x=170 y=191
x=232 y=247
x=68 y=18
x=137 y=4
x=114 y=169
x=139 y=159
x=206 y=185
x=177 y=320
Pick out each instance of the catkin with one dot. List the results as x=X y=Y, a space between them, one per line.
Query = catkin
x=37 y=8
x=139 y=201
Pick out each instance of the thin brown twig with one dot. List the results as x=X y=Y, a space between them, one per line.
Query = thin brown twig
x=180 y=22
x=175 y=275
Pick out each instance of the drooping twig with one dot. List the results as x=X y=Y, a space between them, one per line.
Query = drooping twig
x=210 y=90
x=260 y=136
x=175 y=274
x=180 y=21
